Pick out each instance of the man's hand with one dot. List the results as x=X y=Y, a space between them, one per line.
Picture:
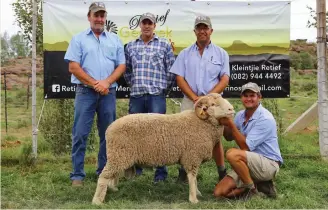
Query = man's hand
x=226 y=121
x=195 y=99
x=105 y=92
x=102 y=86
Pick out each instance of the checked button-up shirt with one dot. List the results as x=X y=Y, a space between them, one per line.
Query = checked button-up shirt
x=148 y=66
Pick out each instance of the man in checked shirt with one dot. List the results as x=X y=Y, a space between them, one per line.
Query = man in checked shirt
x=148 y=61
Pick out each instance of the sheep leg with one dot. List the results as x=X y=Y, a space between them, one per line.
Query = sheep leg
x=198 y=193
x=130 y=172
x=113 y=183
x=192 y=187
x=101 y=189
x=106 y=177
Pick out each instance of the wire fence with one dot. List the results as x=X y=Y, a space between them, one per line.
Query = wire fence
x=55 y=116
x=16 y=97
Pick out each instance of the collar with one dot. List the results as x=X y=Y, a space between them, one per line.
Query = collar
x=154 y=37
x=89 y=31
x=256 y=114
x=208 y=46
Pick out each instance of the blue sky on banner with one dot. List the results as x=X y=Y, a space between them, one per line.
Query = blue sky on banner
x=299 y=16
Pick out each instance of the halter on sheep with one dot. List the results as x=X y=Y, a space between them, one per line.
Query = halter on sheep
x=150 y=140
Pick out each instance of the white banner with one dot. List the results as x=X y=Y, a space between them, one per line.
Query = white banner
x=254 y=24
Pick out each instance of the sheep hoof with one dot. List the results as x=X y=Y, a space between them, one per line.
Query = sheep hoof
x=193 y=200
x=198 y=193
x=113 y=189
x=96 y=201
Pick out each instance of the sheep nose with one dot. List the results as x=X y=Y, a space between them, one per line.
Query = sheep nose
x=230 y=109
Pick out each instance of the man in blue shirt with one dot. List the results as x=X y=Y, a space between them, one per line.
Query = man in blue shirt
x=258 y=158
x=201 y=69
x=96 y=60
x=148 y=60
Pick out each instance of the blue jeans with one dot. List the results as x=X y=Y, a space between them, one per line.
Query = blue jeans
x=149 y=104
x=87 y=103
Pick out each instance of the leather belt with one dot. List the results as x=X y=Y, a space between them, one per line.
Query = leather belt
x=82 y=85
x=278 y=162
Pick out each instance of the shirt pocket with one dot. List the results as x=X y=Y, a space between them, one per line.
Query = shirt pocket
x=157 y=59
x=110 y=52
x=135 y=57
x=214 y=67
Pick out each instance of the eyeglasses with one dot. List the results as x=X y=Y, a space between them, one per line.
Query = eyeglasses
x=99 y=4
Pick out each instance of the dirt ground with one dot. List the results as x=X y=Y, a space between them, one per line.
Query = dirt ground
x=18 y=70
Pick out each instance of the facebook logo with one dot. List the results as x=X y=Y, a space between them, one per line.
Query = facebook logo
x=55 y=88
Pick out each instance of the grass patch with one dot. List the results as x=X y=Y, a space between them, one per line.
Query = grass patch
x=301 y=182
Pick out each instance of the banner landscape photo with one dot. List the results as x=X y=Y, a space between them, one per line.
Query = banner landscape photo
x=256 y=36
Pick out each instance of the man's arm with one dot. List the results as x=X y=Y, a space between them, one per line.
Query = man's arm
x=232 y=132
x=168 y=63
x=185 y=88
x=119 y=70
x=219 y=88
x=179 y=70
x=78 y=72
x=103 y=85
x=227 y=133
x=128 y=71
x=239 y=138
x=73 y=56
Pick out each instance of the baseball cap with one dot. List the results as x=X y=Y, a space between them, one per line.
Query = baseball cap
x=203 y=19
x=250 y=86
x=148 y=16
x=97 y=6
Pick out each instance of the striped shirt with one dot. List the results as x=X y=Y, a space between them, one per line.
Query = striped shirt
x=148 y=65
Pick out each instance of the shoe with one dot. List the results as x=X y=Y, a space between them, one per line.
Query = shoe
x=158 y=179
x=160 y=174
x=138 y=171
x=268 y=188
x=77 y=183
x=182 y=177
x=248 y=194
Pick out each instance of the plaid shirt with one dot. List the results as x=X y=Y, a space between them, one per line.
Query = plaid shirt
x=148 y=66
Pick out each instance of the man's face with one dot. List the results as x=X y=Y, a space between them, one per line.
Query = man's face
x=97 y=20
x=203 y=33
x=250 y=99
x=147 y=27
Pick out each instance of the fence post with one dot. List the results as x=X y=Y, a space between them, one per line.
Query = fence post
x=5 y=83
x=28 y=91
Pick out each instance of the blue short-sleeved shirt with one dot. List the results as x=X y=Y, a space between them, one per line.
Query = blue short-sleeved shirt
x=202 y=73
x=261 y=133
x=98 y=57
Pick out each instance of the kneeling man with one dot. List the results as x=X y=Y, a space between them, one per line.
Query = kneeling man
x=257 y=161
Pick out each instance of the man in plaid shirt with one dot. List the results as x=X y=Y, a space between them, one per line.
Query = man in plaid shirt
x=148 y=61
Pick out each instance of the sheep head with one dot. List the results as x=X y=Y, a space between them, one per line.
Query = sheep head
x=213 y=107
